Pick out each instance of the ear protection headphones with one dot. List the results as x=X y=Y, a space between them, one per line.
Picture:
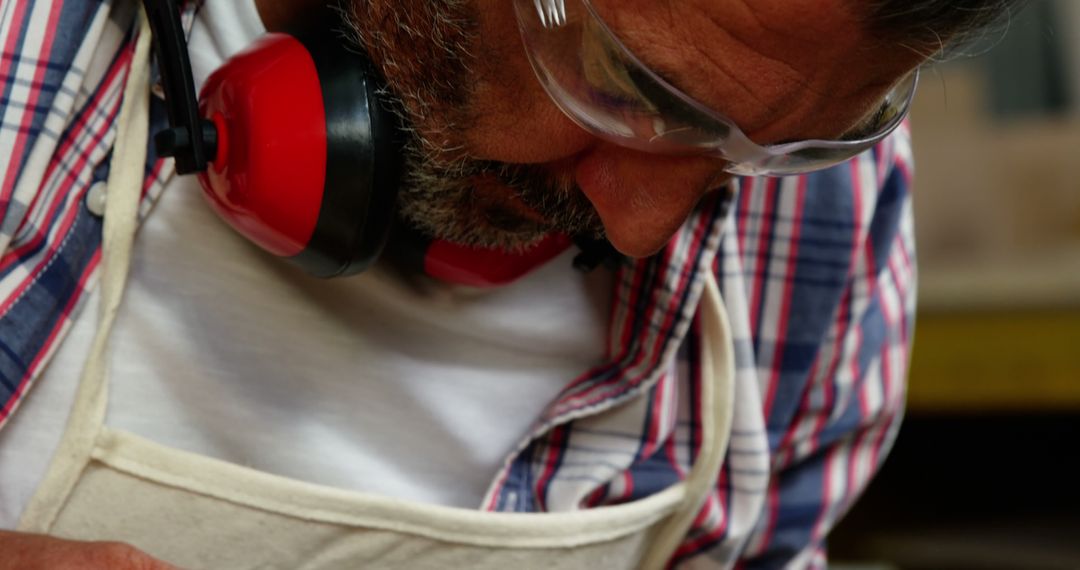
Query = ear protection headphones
x=298 y=148
x=292 y=141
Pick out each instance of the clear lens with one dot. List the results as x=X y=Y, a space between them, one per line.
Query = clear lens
x=599 y=84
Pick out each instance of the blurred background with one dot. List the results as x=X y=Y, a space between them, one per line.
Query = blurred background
x=984 y=474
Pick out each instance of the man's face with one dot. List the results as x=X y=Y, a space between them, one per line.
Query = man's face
x=494 y=163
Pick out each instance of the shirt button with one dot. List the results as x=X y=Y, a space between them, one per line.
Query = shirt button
x=95 y=199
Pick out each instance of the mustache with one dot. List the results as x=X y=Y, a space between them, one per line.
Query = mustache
x=553 y=194
x=439 y=198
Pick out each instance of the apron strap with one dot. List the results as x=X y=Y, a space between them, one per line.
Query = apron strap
x=718 y=391
x=124 y=186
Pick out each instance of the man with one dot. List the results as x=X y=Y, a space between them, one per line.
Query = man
x=562 y=392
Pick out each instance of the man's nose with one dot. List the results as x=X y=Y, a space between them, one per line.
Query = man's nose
x=644 y=198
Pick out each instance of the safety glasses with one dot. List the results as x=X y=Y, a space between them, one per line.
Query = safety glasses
x=600 y=85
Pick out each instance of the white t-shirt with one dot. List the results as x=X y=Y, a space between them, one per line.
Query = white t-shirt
x=377 y=383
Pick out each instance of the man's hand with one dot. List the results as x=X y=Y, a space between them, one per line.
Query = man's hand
x=38 y=552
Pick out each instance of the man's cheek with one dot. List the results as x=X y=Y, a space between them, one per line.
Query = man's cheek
x=516 y=123
x=512 y=118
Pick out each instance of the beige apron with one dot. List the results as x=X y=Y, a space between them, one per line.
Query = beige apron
x=202 y=513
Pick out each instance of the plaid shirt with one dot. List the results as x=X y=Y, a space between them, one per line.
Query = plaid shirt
x=817 y=274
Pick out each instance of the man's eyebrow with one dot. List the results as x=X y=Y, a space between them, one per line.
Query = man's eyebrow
x=669 y=77
x=666 y=75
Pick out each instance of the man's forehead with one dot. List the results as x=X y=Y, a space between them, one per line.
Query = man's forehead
x=780 y=29
x=754 y=60
x=799 y=18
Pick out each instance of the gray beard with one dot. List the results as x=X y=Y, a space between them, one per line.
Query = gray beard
x=442 y=202
x=423 y=49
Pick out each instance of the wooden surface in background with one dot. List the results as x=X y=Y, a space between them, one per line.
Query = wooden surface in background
x=1000 y=361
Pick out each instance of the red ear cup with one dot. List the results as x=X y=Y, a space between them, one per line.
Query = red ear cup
x=309 y=155
x=269 y=174
x=472 y=266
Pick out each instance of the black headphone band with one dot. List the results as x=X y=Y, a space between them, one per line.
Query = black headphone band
x=190 y=139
